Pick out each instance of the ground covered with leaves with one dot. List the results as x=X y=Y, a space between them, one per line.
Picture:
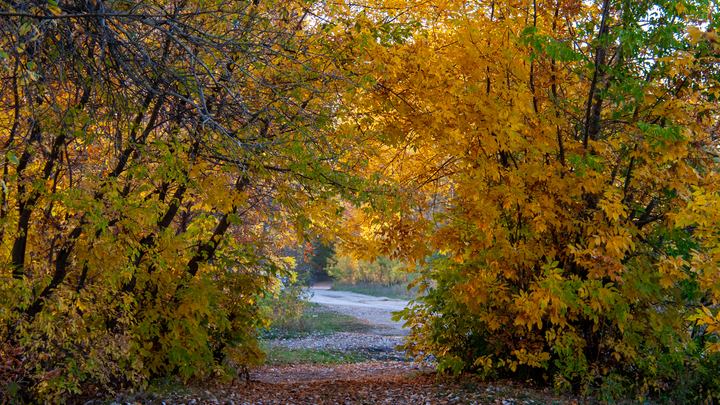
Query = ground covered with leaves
x=373 y=382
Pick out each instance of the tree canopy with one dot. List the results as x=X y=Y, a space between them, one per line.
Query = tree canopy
x=155 y=155
x=561 y=157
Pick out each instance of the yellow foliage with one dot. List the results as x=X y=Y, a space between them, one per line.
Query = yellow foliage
x=567 y=172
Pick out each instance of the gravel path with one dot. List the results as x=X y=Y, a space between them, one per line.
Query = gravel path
x=379 y=343
x=342 y=341
x=375 y=310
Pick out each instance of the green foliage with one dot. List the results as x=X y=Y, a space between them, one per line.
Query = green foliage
x=281 y=356
x=320 y=260
x=164 y=386
x=672 y=367
x=446 y=327
x=284 y=306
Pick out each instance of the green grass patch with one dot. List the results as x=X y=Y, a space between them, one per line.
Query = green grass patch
x=282 y=356
x=313 y=322
x=397 y=291
x=164 y=386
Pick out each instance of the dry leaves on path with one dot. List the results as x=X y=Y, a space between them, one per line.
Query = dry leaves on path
x=371 y=370
x=373 y=382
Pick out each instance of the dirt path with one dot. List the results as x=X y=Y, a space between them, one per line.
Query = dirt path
x=309 y=373
x=355 y=390
x=350 y=385
x=375 y=310
x=379 y=343
x=370 y=382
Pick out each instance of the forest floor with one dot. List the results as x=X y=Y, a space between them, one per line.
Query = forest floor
x=358 y=366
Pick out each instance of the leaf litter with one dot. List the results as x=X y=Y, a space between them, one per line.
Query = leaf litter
x=373 y=382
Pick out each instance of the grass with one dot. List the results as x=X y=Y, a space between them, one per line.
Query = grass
x=398 y=291
x=316 y=322
x=164 y=386
x=313 y=322
x=282 y=356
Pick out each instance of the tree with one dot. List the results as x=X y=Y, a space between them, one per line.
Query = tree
x=574 y=147
x=150 y=150
x=322 y=253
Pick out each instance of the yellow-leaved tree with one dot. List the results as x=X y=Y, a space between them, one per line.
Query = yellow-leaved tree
x=560 y=158
x=152 y=154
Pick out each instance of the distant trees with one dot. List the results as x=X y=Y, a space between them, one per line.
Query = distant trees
x=321 y=259
x=383 y=271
